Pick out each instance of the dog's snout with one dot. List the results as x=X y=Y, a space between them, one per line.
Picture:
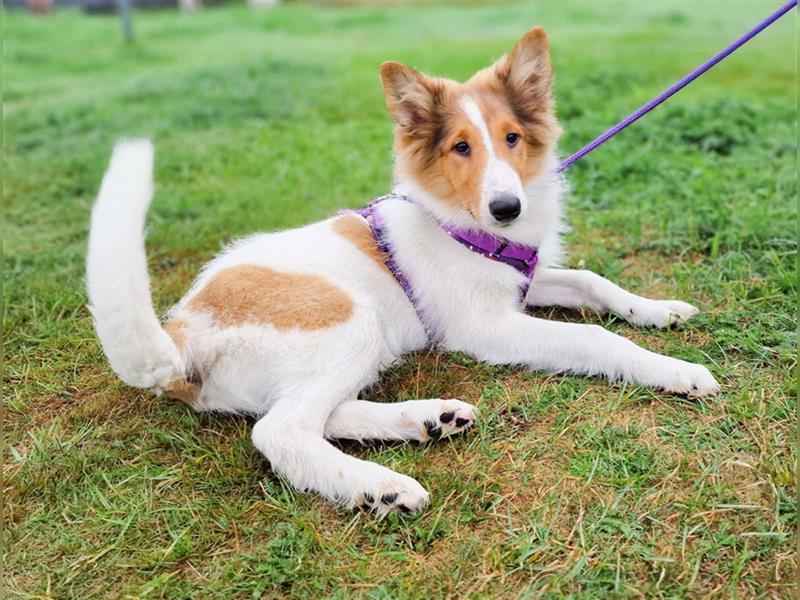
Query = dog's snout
x=505 y=207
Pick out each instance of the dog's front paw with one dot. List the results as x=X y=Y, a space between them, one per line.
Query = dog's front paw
x=399 y=493
x=659 y=313
x=453 y=416
x=689 y=379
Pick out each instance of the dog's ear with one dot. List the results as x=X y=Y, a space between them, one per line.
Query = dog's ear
x=526 y=72
x=411 y=97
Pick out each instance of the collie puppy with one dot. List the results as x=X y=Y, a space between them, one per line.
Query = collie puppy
x=291 y=326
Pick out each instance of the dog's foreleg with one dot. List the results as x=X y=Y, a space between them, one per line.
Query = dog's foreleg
x=290 y=436
x=575 y=289
x=517 y=338
x=413 y=420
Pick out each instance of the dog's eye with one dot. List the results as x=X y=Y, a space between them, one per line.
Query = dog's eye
x=512 y=139
x=462 y=148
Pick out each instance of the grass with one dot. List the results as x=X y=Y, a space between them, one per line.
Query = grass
x=265 y=120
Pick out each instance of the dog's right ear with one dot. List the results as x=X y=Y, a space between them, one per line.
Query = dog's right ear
x=411 y=97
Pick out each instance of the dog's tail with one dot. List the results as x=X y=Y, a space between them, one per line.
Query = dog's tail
x=139 y=350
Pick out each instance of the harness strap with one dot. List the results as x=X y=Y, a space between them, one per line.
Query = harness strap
x=377 y=226
x=520 y=257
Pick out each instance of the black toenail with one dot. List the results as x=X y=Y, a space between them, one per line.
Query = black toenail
x=433 y=430
x=366 y=506
x=403 y=508
x=446 y=417
x=389 y=498
x=694 y=387
x=461 y=422
x=369 y=498
x=630 y=310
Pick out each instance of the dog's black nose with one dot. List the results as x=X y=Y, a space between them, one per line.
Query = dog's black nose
x=505 y=207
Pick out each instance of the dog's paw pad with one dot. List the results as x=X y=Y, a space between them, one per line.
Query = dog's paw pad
x=403 y=495
x=447 y=416
x=454 y=417
x=457 y=417
x=389 y=498
x=433 y=430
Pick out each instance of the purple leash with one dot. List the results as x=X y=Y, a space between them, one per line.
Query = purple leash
x=711 y=62
x=519 y=256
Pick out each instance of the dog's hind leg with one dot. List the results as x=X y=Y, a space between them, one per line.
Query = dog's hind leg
x=413 y=420
x=290 y=436
x=575 y=289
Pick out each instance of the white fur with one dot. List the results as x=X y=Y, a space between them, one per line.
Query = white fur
x=575 y=289
x=304 y=385
x=539 y=225
x=417 y=420
x=139 y=350
x=498 y=177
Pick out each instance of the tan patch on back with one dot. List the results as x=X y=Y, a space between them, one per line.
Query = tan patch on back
x=357 y=232
x=248 y=294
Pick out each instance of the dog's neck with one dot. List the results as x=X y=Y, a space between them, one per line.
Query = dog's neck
x=543 y=194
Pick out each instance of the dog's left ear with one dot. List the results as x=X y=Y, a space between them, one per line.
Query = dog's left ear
x=526 y=71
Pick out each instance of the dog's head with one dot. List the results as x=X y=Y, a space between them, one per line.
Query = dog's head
x=473 y=151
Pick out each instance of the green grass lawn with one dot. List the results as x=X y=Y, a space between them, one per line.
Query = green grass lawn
x=568 y=486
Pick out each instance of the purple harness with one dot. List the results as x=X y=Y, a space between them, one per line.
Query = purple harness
x=520 y=257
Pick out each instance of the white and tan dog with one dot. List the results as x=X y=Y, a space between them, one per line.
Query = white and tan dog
x=291 y=326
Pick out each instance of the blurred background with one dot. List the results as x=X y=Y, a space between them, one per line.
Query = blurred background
x=110 y=6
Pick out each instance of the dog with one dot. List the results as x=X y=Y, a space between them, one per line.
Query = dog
x=291 y=326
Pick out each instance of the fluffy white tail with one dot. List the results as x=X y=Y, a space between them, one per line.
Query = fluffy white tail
x=139 y=350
